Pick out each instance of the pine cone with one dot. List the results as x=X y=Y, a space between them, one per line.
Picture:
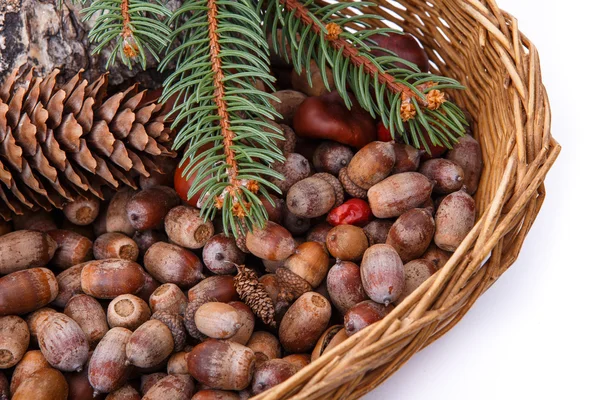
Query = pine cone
x=63 y=141
x=291 y=286
x=175 y=324
x=352 y=188
x=254 y=294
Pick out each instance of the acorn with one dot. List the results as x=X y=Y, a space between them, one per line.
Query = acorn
x=415 y=273
x=333 y=336
x=172 y=387
x=316 y=85
x=411 y=234
x=404 y=46
x=287 y=144
x=382 y=273
x=25 y=291
x=14 y=340
x=247 y=322
x=344 y=285
x=4 y=392
x=24 y=249
x=108 y=369
x=89 y=315
x=212 y=394
x=107 y=279
x=147 y=209
x=447 y=176
x=289 y=101
x=219 y=288
x=467 y=153
x=295 y=168
x=428 y=206
x=127 y=311
x=454 y=219
x=79 y=385
x=36 y=321
x=319 y=232
x=217 y=320
x=407 y=158
x=82 y=211
x=265 y=346
x=222 y=364
x=149 y=380
x=45 y=383
x=372 y=164
x=347 y=242
x=177 y=363
x=304 y=322
x=32 y=361
x=72 y=248
x=299 y=360
x=399 y=193
x=331 y=157
x=69 y=284
x=186 y=228
x=273 y=206
x=437 y=256
x=364 y=314
x=150 y=285
x=41 y=221
x=220 y=254
x=311 y=198
x=273 y=242
x=377 y=230
x=63 y=343
x=168 y=297
x=145 y=240
x=169 y=263
x=160 y=178
x=294 y=224
x=115 y=218
x=269 y=281
x=150 y=344
x=271 y=373
x=115 y=245
x=126 y=392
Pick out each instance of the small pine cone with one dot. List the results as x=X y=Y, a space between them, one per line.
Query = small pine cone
x=351 y=188
x=291 y=286
x=335 y=184
x=175 y=324
x=254 y=294
x=188 y=317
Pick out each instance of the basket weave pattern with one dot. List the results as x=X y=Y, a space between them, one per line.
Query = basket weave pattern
x=480 y=45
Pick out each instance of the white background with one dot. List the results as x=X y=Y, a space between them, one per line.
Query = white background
x=534 y=334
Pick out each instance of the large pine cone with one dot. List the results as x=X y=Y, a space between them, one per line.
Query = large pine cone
x=60 y=142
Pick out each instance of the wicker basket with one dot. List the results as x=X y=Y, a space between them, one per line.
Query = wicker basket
x=481 y=46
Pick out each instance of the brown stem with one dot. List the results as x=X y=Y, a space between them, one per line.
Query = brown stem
x=130 y=49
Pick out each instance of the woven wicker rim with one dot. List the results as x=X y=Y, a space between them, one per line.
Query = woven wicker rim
x=480 y=45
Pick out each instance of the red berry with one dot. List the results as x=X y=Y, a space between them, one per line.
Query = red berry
x=352 y=212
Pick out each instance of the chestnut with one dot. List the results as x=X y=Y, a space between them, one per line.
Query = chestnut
x=404 y=46
x=289 y=101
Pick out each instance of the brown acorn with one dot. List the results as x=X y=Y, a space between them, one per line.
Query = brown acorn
x=382 y=273
x=172 y=387
x=82 y=211
x=36 y=221
x=220 y=254
x=247 y=322
x=411 y=234
x=176 y=325
x=304 y=322
x=407 y=158
x=4 y=390
x=294 y=224
x=150 y=344
x=319 y=232
x=177 y=363
x=217 y=320
x=89 y=315
x=331 y=157
x=447 y=176
x=219 y=288
x=79 y=385
x=273 y=206
x=269 y=281
x=63 y=343
x=454 y=219
x=126 y=392
x=467 y=153
x=222 y=364
x=145 y=240
x=45 y=383
x=271 y=373
x=186 y=228
x=32 y=361
x=127 y=311
x=299 y=360
x=24 y=249
x=273 y=242
x=415 y=273
x=347 y=242
x=72 y=248
x=25 y=291
x=36 y=321
x=372 y=164
x=169 y=263
x=69 y=284
x=115 y=245
x=364 y=314
x=287 y=144
x=115 y=217
x=108 y=369
x=316 y=86
x=265 y=346
x=399 y=193
x=437 y=256
x=149 y=380
x=147 y=209
x=289 y=101
x=150 y=285
x=295 y=168
x=377 y=230
x=344 y=285
x=212 y=394
x=311 y=198
x=14 y=340
x=168 y=297
x=107 y=279
x=333 y=336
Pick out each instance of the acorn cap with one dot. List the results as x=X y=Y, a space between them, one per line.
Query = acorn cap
x=175 y=324
x=335 y=184
x=351 y=188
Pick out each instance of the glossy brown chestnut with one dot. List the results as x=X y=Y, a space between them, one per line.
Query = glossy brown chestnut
x=404 y=46
x=289 y=101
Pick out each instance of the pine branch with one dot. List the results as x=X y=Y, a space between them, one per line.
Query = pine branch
x=222 y=118
x=408 y=101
